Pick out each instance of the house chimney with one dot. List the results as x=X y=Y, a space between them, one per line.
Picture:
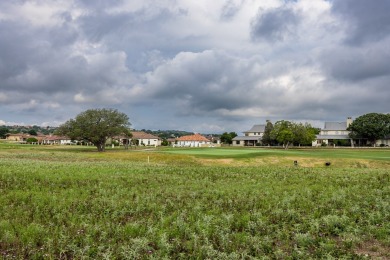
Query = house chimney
x=349 y=121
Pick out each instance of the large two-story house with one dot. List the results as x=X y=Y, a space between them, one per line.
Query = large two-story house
x=252 y=137
x=334 y=133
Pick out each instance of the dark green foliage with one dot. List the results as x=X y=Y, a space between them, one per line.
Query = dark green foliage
x=227 y=138
x=266 y=139
x=32 y=132
x=31 y=140
x=96 y=126
x=372 y=126
x=164 y=142
x=3 y=132
x=283 y=133
x=286 y=133
x=25 y=129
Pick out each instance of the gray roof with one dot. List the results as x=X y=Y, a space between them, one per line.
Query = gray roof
x=338 y=126
x=247 y=138
x=256 y=129
x=336 y=137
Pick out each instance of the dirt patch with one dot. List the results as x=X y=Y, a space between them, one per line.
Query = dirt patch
x=373 y=249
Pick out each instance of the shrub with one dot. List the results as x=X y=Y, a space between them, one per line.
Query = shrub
x=31 y=140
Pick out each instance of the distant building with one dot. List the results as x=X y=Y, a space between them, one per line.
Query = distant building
x=252 y=137
x=334 y=133
x=143 y=138
x=195 y=140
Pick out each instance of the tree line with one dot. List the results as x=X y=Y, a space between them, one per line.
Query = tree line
x=98 y=125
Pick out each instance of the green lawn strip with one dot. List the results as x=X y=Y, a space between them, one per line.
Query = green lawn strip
x=375 y=154
x=118 y=209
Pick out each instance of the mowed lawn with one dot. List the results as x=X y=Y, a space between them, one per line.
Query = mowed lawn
x=306 y=157
x=76 y=203
x=356 y=153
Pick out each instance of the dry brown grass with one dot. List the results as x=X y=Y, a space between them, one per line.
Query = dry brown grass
x=302 y=162
x=374 y=250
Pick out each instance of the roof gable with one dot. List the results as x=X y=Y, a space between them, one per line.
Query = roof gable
x=338 y=126
x=195 y=137
x=256 y=129
x=143 y=135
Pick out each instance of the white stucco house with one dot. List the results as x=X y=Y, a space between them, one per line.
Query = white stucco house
x=143 y=138
x=55 y=139
x=334 y=133
x=195 y=140
x=251 y=137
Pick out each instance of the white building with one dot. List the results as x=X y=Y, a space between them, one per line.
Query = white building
x=143 y=138
x=195 y=140
x=251 y=137
x=334 y=133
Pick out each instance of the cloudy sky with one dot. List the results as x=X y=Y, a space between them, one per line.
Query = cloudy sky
x=195 y=65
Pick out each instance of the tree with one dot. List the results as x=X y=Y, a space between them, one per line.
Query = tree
x=266 y=139
x=31 y=140
x=283 y=133
x=304 y=134
x=372 y=126
x=96 y=126
x=3 y=132
x=227 y=138
x=286 y=133
x=33 y=132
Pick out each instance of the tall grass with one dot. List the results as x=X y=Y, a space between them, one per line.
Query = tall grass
x=56 y=205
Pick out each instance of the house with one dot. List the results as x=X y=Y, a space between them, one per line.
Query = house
x=195 y=140
x=142 y=138
x=56 y=140
x=334 y=133
x=252 y=137
x=23 y=137
x=17 y=137
x=383 y=142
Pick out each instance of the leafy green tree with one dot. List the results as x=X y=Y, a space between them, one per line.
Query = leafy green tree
x=304 y=134
x=283 y=133
x=227 y=138
x=3 y=132
x=96 y=126
x=266 y=139
x=287 y=133
x=31 y=140
x=372 y=126
x=33 y=132
x=164 y=142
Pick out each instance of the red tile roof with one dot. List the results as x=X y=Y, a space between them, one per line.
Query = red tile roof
x=195 y=137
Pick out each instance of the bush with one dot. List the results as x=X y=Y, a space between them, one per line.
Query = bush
x=31 y=140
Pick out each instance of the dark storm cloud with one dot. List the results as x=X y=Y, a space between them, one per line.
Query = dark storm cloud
x=361 y=62
x=214 y=83
x=190 y=64
x=367 y=21
x=204 y=81
x=276 y=24
x=357 y=64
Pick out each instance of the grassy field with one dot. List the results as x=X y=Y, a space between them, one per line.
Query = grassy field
x=74 y=203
